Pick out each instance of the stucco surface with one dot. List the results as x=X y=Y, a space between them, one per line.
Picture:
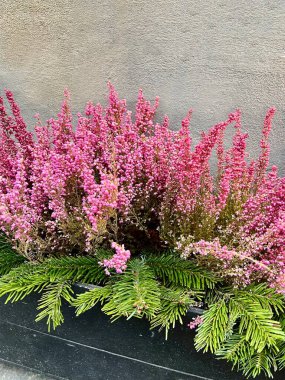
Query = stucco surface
x=210 y=55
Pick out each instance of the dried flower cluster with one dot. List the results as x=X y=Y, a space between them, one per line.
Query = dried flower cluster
x=74 y=186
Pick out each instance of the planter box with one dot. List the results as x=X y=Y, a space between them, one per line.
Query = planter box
x=91 y=347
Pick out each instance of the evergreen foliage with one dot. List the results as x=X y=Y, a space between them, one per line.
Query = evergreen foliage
x=175 y=302
x=54 y=278
x=172 y=269
x=242 y=327
x=51 y=300
x=245 y=326
x=88 y=300
x=135 y=293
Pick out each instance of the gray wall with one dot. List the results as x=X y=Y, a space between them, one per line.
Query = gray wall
x=211 y=55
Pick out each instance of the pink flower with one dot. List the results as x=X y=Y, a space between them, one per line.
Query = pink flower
x=195 y=322
x=118 y=260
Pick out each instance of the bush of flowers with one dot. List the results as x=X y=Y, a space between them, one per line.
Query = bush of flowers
x=131 y=205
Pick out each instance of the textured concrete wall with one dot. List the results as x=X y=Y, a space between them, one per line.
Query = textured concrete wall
x=211 y=55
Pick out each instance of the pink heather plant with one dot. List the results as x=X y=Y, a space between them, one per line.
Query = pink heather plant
x=119 y=259
x=74 y=186
x=195 y=322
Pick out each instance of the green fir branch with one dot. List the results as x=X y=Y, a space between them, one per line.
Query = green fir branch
x=89 y=299
x=83 y=268
x=241 y=327
x=265 y=296
x=175 y=303
x=212 y=332
x=22 y=281
x=172 y=269
x=135 y=293
x=258 y=363
x=54 y=276
x=245 y=358
x=256 y=323
x=51 y=301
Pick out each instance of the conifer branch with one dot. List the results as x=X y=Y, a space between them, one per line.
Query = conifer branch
x=174 y=270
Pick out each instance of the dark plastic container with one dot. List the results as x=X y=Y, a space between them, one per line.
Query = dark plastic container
x=90 y=347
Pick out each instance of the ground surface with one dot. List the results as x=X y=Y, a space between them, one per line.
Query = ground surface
x=91 y=348
x=9 y=371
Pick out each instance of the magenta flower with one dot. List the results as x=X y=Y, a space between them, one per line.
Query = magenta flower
x=118 y=260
